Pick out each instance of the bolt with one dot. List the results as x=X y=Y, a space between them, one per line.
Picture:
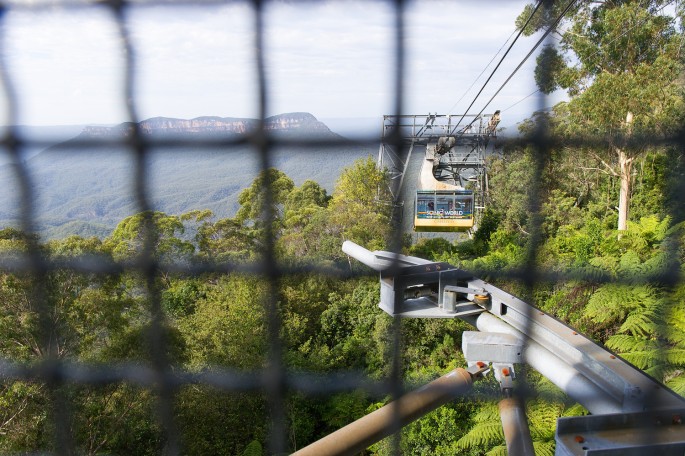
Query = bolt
x=579 y=439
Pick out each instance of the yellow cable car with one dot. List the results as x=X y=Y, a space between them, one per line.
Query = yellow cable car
x=441 y=205
x=443 y=210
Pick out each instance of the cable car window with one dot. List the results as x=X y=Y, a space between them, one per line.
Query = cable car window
x=443 y=204
x=464 y=203
x=425 y=205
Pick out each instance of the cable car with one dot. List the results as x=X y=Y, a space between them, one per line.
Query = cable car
x=441 y=204
x=443 y=210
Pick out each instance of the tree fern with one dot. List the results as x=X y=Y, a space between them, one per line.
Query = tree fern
x=487 y=430
x=500 y=450
x=542 y=418
x=641 y=323
x=650 y=319
x=677 y=383
x=614 y=302
x=544 y=448
x=542 y=412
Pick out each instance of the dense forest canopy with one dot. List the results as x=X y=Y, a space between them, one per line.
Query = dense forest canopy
x=622 y=64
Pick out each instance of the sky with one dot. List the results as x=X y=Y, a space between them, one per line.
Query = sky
x=333 y=59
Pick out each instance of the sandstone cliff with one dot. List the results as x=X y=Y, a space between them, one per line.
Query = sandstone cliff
x=298 y=123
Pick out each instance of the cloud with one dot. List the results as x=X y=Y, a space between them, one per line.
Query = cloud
x=332 y=58
x=61 y=62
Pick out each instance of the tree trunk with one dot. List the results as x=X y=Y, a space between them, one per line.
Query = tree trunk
x=625 y=165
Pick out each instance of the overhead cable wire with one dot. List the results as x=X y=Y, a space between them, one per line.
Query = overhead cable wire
x=518 y=67
x=521 y=100
x=537 y=7
x=596 y=52
x=481 y=73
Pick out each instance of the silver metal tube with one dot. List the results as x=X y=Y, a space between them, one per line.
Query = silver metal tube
x=375 y=426
x=565 y=376
x=379 y=259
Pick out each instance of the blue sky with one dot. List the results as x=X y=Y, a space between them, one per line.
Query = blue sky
x=333 y=59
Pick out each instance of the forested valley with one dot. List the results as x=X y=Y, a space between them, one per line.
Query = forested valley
x=591 y=214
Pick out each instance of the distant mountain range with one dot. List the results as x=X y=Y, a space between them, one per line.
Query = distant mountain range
x=87 y=192
x=296 y=124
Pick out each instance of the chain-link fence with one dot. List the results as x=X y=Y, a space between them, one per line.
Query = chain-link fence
x=154 y=369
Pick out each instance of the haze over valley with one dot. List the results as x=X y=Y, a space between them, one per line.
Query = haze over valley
x=88 y=190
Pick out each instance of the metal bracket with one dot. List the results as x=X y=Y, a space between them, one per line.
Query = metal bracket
x=501 y=349
x=659 y=432
x=427 y=291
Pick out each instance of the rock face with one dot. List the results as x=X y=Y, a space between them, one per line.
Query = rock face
x=88 y=191
x=297 y=123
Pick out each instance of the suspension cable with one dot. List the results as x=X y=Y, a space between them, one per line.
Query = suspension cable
x=481 y=73
x=539 y=42
x=537 y=7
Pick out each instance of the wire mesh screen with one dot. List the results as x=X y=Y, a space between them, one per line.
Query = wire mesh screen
x=58 y=300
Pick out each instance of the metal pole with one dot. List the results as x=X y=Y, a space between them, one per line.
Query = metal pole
x=515 y=426
x=375 y=426
x=380 y=260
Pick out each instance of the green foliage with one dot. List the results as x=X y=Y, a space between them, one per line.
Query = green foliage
x=23 y=416
x=486 y=432
x=431 y=248
x=179 y=299
x=329 y=324
x=154 y=230
x=231 y=310
x=621 y=65
x=115 y=419
x=549 y=68
x=353 y=333
x=217 y=422
x=361 y=206
x=512 y=175
x=254 y=448
x=257 y=203
x=225 y=240
x=305 y=221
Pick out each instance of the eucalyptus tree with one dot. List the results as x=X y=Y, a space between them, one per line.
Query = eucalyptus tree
x=620 y=63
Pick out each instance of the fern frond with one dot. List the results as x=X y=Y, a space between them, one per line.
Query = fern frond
x=639 y=324
x=542 y=418
x=677 y=383
x=482 y=434
x=488 y=411
x=500 y=450
x=607 y=304
x=623 y=343
x=642 y=359
x=659 y=263
x=630 y=263
x=544 y=448
x=575 y=410
x=657 y=371
x=675 y=356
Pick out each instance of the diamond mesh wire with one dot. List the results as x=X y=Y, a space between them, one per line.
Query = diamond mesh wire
x=160 y=375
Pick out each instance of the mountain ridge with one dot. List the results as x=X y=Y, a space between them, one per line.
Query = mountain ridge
x=288 y=123
x=87 y=192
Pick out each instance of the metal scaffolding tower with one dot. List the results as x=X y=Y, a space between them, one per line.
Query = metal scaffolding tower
x=460 y=147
